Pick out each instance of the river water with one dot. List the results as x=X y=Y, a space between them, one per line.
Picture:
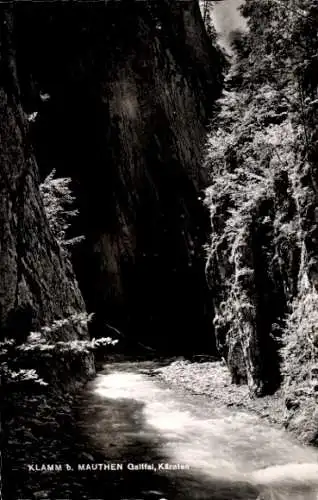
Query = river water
x=211 y=452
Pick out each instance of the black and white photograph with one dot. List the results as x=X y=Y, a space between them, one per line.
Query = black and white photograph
x=159 y=249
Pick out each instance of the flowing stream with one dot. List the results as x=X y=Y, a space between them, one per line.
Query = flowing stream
x=211 y=452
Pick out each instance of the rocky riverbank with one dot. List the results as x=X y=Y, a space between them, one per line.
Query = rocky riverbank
x=212 y=379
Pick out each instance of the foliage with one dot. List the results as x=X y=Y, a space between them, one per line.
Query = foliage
x=58 y=203
x=300 y=352
x=262 y=160
x=42 y=347
x=205 y=7
x=220 y=58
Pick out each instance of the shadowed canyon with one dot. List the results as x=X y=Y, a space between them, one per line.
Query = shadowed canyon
x=158 y=250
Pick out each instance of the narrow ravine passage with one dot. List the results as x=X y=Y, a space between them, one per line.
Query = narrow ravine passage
x=221 y=451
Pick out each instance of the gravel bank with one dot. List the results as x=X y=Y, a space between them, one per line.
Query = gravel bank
x=212 y=379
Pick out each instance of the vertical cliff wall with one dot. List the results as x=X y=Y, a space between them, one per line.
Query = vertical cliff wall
x=37 y=288
x=262 y=263
x=37 y=284
x=129 y=87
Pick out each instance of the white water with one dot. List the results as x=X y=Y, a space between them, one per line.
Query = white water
x=217 y=443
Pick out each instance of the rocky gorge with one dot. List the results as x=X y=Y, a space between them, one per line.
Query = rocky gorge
x=185 y=179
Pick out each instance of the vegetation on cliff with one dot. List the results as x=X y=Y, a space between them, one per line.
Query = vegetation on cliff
x=116 y=104
x=262 y=160
x=38 y=292
x=122 y=91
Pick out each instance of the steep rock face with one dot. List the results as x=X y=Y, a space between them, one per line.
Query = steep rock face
x=131 y=86
x=37 y=284
x=263 y=269
x=253 y=268
x=263 y=200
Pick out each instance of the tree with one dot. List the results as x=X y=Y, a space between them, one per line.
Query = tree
x=262 y=159
x=59 y=207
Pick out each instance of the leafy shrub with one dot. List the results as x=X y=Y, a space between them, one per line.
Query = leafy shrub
x=41 y=348
x=59 y=207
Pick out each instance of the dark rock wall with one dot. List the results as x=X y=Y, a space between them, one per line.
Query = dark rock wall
x=131 y=87
x=253 y=291
x=37 y=284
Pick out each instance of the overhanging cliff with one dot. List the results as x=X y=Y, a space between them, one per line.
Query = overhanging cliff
x=131 y=86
